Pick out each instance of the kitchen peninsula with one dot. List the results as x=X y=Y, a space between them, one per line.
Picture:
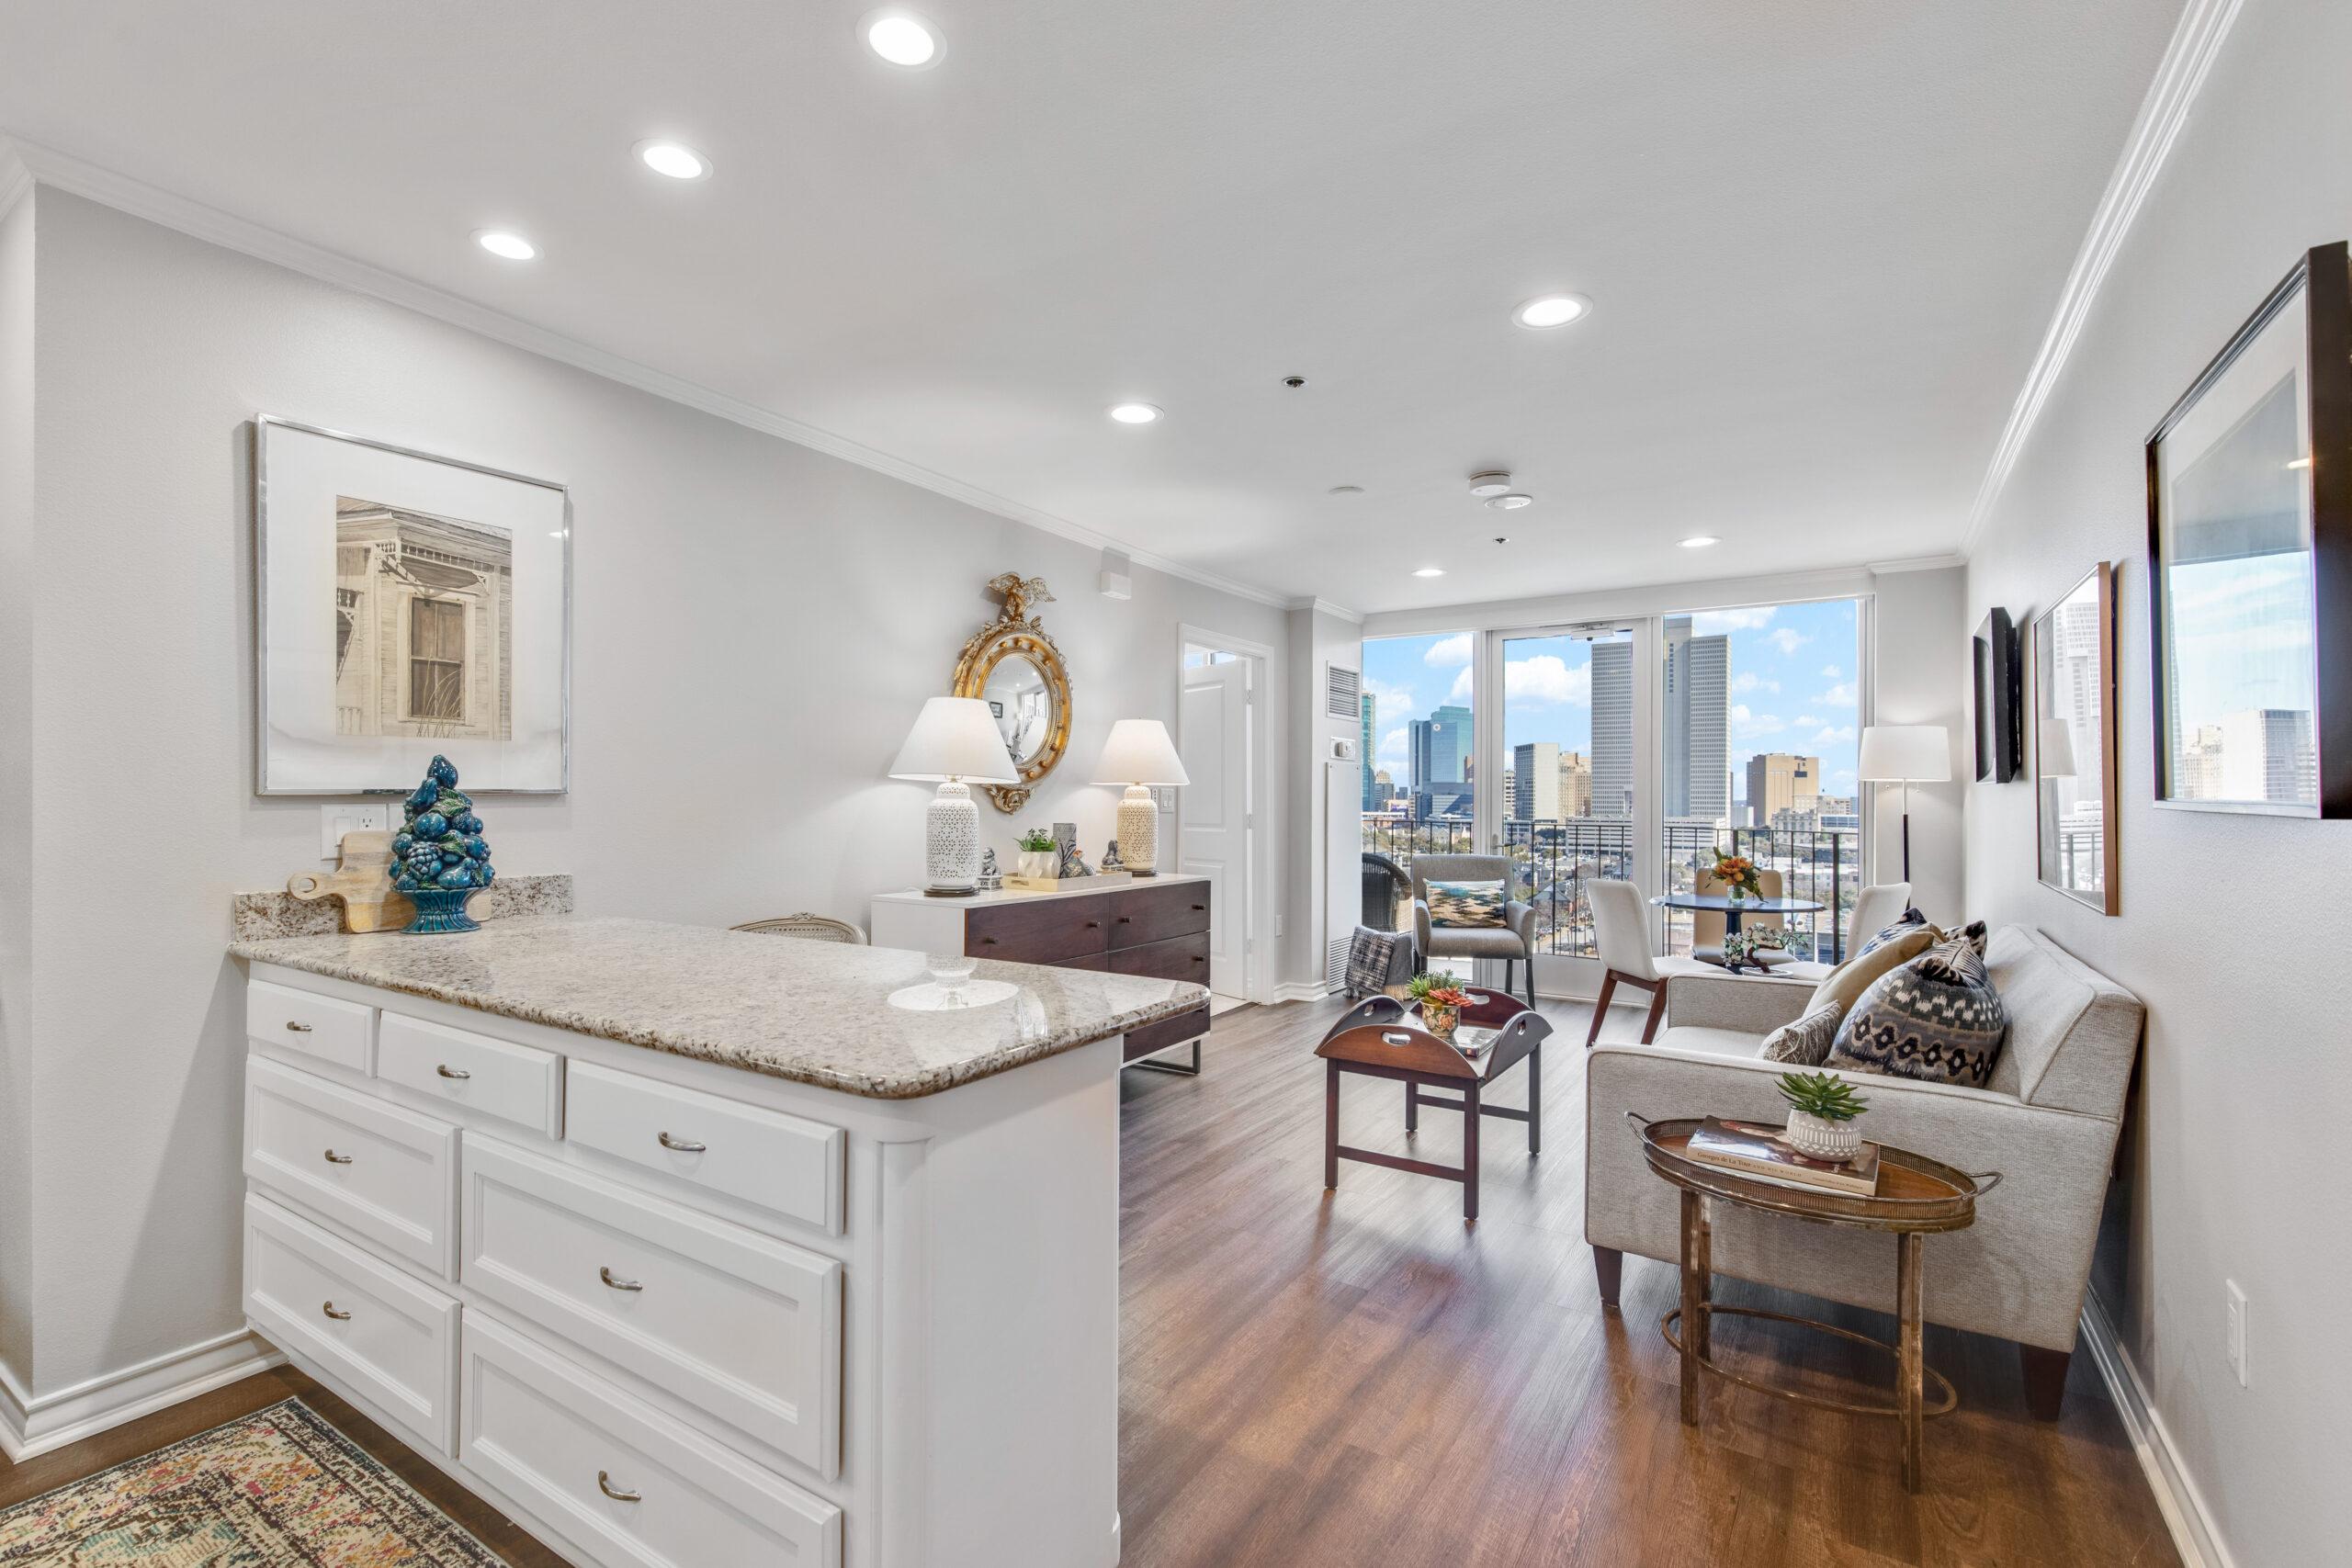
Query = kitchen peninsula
x=687 y=1246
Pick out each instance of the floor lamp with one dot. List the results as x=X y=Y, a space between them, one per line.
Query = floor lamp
x=1906 y=754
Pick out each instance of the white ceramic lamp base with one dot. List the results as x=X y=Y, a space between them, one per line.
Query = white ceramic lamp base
x=951 y=844
x=1139 y=832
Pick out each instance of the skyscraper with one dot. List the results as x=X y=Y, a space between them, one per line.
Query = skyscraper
x=1576 y=784
x=1535 y=782
x=1440 y=747
x=2266 y=755
x=1698 y=724
x=1777 y=782
x=1371 y=708
x=1612 y=728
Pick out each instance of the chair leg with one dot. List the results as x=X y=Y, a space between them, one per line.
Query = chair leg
x=2045 y=1379
x=1531 y=980
x=1331 y=1125
x=1657 y=1013
x=1600 y=1007
x=1609 y=1269
x=1412 y=1106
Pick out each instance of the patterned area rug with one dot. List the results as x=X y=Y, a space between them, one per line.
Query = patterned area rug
x=277 y=1489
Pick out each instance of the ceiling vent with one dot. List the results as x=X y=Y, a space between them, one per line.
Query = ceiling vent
x=1342 y=693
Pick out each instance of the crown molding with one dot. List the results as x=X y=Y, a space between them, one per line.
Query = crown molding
x=2195 y=43
x=16 y=179
x=1916 y=563
x=1325 y=607
x=78 y=178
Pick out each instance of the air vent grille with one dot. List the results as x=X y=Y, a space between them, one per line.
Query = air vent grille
x=1335 y=962
x=1342 y=693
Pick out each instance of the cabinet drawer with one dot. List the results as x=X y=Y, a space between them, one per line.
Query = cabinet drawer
x=1140 y=914
x=784 y=1165
x=625 y=1486
x=745 y=1327
x=387 y=1174
x=1156 y=1037
x=1183 y=958
x=1044 y=930
x=492 y=1077
x=325 y=1027
x=327 y=1305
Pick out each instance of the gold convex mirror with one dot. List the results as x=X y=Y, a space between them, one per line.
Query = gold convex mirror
x=1011 y=665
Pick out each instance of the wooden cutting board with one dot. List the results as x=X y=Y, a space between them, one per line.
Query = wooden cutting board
x=363 y=880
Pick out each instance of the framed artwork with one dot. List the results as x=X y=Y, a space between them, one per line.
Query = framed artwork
x=1999 y=694
x=2072 y=678
x=406 y=605
x=2250 y=562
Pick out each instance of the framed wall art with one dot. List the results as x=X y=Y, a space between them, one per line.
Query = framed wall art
x=2250 y=562
x=406 y=605
x=2073 y=677
x=1999 y=692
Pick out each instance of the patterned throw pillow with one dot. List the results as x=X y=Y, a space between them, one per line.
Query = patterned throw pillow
x=1937 y=1019
x=1889 y=951
x=1466 y=903
x=1806 y=1041
x=1912 y=920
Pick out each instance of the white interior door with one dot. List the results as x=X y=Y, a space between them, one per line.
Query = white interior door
x=1213 y=737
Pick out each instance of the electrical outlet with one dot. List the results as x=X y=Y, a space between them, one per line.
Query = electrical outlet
x=334 y=821
x=2237 y=1329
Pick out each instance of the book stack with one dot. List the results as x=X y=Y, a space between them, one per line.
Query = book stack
x=1763 y=1154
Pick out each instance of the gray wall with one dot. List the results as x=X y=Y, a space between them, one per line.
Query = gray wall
x=755 y=626
x=2231 y=926
x=1920 y=675
x=15 y=780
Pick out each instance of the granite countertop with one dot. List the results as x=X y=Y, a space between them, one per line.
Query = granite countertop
x=865 y=1021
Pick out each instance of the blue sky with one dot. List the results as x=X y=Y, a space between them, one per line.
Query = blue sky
x=1792 y=670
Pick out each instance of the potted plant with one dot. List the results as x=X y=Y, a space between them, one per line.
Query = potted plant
x=1822 y=1108
x=1441 y=998
x=1739 y=876
x=1040 y=856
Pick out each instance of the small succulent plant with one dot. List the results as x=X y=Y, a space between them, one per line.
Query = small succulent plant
x=1824 y=1095
x=1420 y=987
x=1037 y=841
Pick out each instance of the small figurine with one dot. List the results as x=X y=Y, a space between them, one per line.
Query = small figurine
x=991 y=879
x=439 y=857
x=1078 y=866
x=1111 y=857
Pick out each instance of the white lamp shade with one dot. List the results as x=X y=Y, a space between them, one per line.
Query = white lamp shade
x=2055 y=749
x=956 y=738
x=1907 y=753
x=1139 y=752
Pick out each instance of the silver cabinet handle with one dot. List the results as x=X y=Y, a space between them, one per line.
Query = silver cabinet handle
x=336 y=1313
x=618 y=1285
x=334 y=1158
x=605 y=1484
x=684 y=1145
x=446 y=1071
x=292 y=1028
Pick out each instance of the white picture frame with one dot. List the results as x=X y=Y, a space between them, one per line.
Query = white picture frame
x=406 y=604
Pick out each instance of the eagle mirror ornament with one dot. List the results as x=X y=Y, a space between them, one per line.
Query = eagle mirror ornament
x=1011 y=665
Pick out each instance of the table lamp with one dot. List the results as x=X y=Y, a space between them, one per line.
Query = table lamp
x=956 y=742
x=1138 y=755
x=1906 y=754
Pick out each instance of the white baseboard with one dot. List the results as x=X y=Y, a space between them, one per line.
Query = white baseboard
x=2183 y=1506
x=1301 y=991
x=30 y=1426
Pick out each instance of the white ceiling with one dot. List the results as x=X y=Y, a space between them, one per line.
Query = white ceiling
x=1823 y=239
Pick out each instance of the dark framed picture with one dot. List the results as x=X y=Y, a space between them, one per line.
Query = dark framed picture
x=2000 y=692
x=2250 y=561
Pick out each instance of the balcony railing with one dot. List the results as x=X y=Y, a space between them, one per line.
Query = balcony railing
x=1553 y=862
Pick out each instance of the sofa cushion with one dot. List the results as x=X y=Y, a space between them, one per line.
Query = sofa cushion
x=2073 y=1031
x=1937 y=1019
x=1846 y=983
x=1911 y=919
x=1806 y=1041
x=1465 y=903
x=1475 y=941
x=1713 y=1042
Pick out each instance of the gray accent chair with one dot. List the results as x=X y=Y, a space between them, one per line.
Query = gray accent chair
x=2048 y=1119
x=1513 y=941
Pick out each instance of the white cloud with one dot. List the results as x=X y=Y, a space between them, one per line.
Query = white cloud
x=1546 y=679
x=1749 y=681
x=1831 y=672
x=1747 y=725
x=1788 y=639
x=1803 y=719
x=1460 y=693
x=1447 y=652
x=1396 y=745
x=1830 y=735
x=1710 y=623
x=1840 y=695
x=1393 y=699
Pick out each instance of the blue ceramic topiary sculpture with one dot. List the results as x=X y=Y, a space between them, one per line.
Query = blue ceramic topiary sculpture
x=439 y=857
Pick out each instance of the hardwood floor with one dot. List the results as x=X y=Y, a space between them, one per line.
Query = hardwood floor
x=1324 y=1381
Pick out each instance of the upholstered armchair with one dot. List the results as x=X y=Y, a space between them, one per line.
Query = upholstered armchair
x=1513 y=941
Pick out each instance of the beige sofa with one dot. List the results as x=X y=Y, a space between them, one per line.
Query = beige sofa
x=2048 y=1121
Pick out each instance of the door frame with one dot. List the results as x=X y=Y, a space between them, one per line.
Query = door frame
x=1258 y=918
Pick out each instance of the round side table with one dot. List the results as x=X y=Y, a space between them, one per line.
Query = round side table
x=1918 y=1197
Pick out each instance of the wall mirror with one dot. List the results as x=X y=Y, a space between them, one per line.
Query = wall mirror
x=1011 y=665
x=2073 y=743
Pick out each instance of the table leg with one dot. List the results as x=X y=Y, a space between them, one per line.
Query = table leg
x=1331 y=1125
x=1535 y=1099
x=1697 y=1286
x=1412 y=1106
x=1471 y=1115
x=1731 y=921
x=1910 y=1367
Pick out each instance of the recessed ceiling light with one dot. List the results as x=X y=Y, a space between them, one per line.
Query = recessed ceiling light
x=901 y=38
x=674 y=159
x=1430 y=571
x=1345 y=490
x=1494 y=481
x=506 y=244
x=1510 y=502
x=1553 y=310
x=1700 y=541
x=1133 y=414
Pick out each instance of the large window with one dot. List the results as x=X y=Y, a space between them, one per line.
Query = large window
x=1566 y=803
x=1421 y=771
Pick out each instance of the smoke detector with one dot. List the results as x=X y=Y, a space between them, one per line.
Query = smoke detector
x=1494 y=481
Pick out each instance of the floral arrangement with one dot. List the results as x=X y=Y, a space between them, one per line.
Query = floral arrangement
x=1742 y=946
x=1037 y=841
x=1739 y=874
x=1443 y=988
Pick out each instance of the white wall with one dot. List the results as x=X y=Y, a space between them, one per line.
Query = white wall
x=15 y=777
x=755 y=625
x=2231 y=926
x=1920 y=674
x=1316 y=637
